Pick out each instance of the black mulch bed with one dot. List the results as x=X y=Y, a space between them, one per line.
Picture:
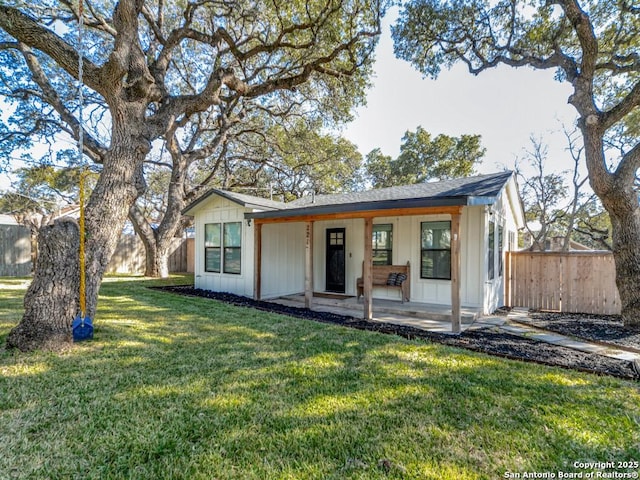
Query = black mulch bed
x=597 y=328
x=486 y=341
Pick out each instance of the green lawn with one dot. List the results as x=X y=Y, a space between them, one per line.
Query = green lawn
x=188 y=388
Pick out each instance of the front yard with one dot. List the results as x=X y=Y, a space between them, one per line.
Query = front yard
x=174 y=387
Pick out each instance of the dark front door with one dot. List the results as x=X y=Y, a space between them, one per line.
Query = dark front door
x=335 y=260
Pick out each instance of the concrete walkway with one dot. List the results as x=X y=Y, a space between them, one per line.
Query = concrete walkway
x=511 y=324
x=508 y=324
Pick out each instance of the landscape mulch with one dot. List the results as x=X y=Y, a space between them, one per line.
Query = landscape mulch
x=487 y=340
x=607 y=329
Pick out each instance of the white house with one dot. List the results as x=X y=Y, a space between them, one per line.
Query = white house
x=452 y=233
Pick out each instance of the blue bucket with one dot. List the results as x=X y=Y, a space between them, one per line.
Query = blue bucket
x=82 y=328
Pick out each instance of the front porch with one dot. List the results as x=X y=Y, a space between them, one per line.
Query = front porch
x=329 y=258
x=420 y=315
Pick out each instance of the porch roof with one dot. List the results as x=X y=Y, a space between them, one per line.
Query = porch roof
x=458 y=192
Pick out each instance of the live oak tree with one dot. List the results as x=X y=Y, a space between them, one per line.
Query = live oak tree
x=425 y=158
x=593 y=45
x=269 y=156
x=293 y=160
x=266 y=52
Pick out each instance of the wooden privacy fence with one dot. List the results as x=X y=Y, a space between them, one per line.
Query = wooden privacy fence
x=129 y=256
x=15 y=251
x=577 y=282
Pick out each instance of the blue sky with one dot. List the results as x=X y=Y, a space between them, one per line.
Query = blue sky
x=505 y=105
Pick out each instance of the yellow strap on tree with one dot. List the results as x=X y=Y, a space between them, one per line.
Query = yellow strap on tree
x=83 y=300
x=83 y=172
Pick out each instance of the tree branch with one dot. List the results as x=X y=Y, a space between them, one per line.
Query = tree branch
x=92 y=148
x=629 y=166
x=28 y=31
x=623 y=108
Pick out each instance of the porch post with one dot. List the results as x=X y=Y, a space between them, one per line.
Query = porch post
x=257 y=260
x=367 y=268
x=507 y=278
x=308 y=265
x=455 y=273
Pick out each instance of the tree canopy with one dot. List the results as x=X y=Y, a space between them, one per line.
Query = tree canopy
x=180 y=61
x=154 y=70
x=292 y=160
x=592 y=44
x=425 y=158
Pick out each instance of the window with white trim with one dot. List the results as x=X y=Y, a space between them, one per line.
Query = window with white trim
x=212 y=247
x=382 y=244
x=491 y=246
x=223 y=247
x=232 y=247
x=435 y=251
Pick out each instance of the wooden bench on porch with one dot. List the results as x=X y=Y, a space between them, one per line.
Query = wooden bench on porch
x=390 y=276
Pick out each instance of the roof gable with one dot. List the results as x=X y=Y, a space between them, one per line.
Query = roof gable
x=248 y=201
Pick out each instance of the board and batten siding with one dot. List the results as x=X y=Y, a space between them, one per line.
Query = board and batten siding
x=221 y=210
x=501 y=214
x=439 y=291
x=282 y=259
x=283 y=255
x=406 y=247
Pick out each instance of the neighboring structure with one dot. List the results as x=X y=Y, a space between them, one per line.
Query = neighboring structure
x=15 y=248
x=552 y=244
x=453 y=234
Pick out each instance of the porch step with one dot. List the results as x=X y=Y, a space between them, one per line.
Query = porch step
x=349 y=306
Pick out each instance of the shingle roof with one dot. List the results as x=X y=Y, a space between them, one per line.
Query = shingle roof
x=477 y=190
x=479 y=186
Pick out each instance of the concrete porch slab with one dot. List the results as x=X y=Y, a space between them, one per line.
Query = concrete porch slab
x=348 y=305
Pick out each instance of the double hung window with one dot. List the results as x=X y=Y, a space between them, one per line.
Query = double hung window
x=383 y=244
x=223 y=247
x=212 y=247
x=232 y=247
x=435 y=252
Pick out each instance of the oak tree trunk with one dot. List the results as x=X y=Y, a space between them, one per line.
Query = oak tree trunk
x=156 y=247
x=620 y=200
x=49 y=310
x=117 y=188
x=626 y=253
x=158 y=241
x=160 y=262
x=156 y=259
x=52 y=299
x=151 y=260
x=157 y=250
